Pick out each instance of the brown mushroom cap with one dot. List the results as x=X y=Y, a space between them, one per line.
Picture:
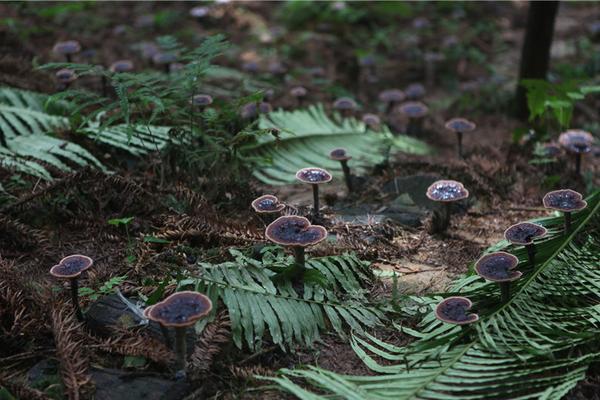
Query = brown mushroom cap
x=201 y=100
x=267 y=204
x=447 y=191
x=313 y=175
x=454 y=310
x=460 y=125
x=121 y=66
x=339 y=154
x=576 y=141
x=71 y=266
x=67 y=47
x=391 y=95
x=414 y=91
x=65 y=75
x=180 y=309
x=298 y=91
x=345 y=103
x=564 y=200
x=414 y=109
x=524 y=233
x=292 y=230
x=498 y=267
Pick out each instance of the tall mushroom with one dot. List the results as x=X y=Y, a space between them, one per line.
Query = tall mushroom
x=416 y=112
x=65 y=77
x=165 y=60
x=268 y=205
x=180 y=310
x=499 y=267
x=71 y=268
x=414 y=91
x=315 y=177
x=565 y=200
x=455 y=310
x=577 y=142
x=523 y=234
x=460 y=126
x=67 y=49
x=346 y=106
x=391 y=98
x=445 y=192
x=342 y=156
x=372 y=121
x=299 y=93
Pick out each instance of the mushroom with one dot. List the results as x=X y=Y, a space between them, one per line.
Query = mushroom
x=252 y=110
x=314 y=176
x=121 y=66
x=165 y=60
x=71 y=268
x=391 y=98
x=345 y=106
x=565 y=200
x=445 y=192
x=299 y=93
x=342 y=156
x=551 y=149
x=577 y=142
x=499 y=267
x=298 y=233
x=267 y=205
x=199 y=12
x=180 y=310
x=67 y=49
x=460 y=126
x=414 y=91
x=277 y=69
x=523 y=234
x=250 y=67
x=368 y=63
x=372 y=121
x=65 y=77
x=454 y=310
x=416 y=112
x=200 y=101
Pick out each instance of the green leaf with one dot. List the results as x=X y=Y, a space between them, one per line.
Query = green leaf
x=120 y=221
x=153 y=239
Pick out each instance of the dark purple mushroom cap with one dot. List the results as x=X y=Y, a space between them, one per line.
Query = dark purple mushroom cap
x=71 y=266
x=267 y=204
x=460 y=125
x=339 y=154
x=251 y=110
x=576 y=141
x=121 y=66
x=180 y=309
x=391 y=95
x=250 y=66
x=148 y=49
x=498 y=267
x=299 y=91
x=454 y=310
x=65 y=75
x=551 y=150
x=276 y=68
x=564 y=200
x=414 y=109
x=345 y=103
x=414 y=91
x=201 y=100
x=371 y=120
x=523 y=233
x=199 y=11
x=164 y=58
x=146 y=312
x=67 y=47
x=292 y=230
x=313 y=175
x=447 y=191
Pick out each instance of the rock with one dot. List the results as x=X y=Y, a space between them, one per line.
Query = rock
x=415 y=186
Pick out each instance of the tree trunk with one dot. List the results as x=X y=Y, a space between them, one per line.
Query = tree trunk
x=535 y=55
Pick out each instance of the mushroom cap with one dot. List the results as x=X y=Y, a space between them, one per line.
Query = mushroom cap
x=65 y=75
x=276 y=68
x=161 y=58
x=199 y=11
x=523 y=233
x=414 y=109
x=267 y=204
x=313 y=175
x=71 y=266
x=67 y=47
x=453 y=310
x=146 y=312
x=391 y=95
x=339 y=154
x=250 y=66
x=414 y=91
x=564 y=200
x=292 y=230
x=201 y=100
x=180 y=309
x=148 y=49
x=367 y=60
x=498 y=267
x=447 y=191
x=371 y=119
x=345 y=103
x=576 y=141
x=251 y=110
x=298 y=91
x=551 y=149
x=121 y=66
x=460 y=125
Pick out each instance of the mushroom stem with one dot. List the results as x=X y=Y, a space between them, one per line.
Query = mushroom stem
x=75 y=299
x=347 y=177
x=167 y=68
x=315 y=200
x=414 y=126
x=459 y=136
x=165 y=333
x=505 y=291
x=180 y=350
x=299 y=260
x=104 y=88
x=68 y=57
x=389 y=107
x=531 y=253
x=578 y=164
x=441 y=218
x=567 y=221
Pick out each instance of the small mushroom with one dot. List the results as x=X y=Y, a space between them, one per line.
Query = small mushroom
x=165 y=60
x=342 y=156
x=455 y=310
x=277 y=69
x=67 y=49
x=551 y=149
x=565 y=200
x=416 y=112
x=297 y=233
x=372 y=121
x=499 y=267
x=250 y=67
x=200 y=101
x=414 y=91
x=65 y=77
x=71 y=268
x=180 y=310
x=523 y=234
x=121 y=66
x=299 y=93
x=391 y=98
x=445 y=192
x=267 y=205
x=199 y=13
x=577 y=142
x=460 y=126
x=345 y=105
x=314 y=176
x=252 y=110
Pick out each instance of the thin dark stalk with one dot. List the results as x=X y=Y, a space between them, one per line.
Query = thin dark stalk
x=578 y=164
x=459 y=136
x=531 y=253
x=68 y=57
x=165 y=333
x=75 y=299
x=299 y=260
x=505 y=291
x=347 y=177
x=104 y=86
x=180 y=351
x=567 y=221
x=315 y=200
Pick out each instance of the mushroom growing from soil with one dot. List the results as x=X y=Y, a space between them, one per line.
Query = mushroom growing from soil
x=460 y=126
x=252 y=110
x=199 y=13
x=67 y=49
x=342 y=156
x=180 y=310
x=314 y=176
x=121 y=66
x=523 y=234
x=391 y=98
x=565 y=200
x=455 y=310
x=499 y=267
x=299 y=93
x=372 y=121
x=445 y=192
x=71 y=268
x=577 y=142
x=65 y=77
x=414 y=91
x=165 y=60
x=298 y=233
x=345 y=105
x=267 y=205
x=416 y=112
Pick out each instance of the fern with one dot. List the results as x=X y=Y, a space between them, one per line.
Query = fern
x=530 y=347
x=257 y=306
